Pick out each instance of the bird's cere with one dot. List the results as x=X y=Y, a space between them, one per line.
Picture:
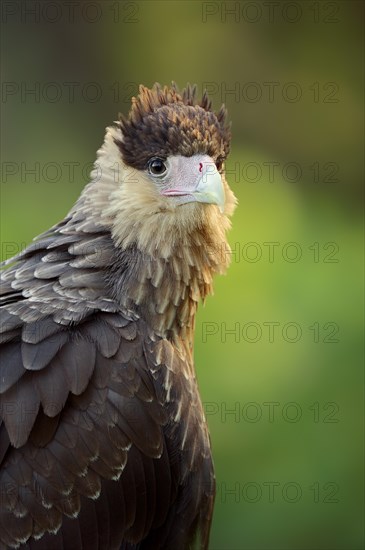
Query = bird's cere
x=104 y=442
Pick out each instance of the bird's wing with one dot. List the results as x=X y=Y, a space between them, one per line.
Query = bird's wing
x=102 y=439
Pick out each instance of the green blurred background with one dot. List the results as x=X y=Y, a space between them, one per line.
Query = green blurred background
x=289 y=458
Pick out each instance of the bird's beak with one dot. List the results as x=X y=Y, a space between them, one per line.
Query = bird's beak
x=210 y=187
x=195 y=179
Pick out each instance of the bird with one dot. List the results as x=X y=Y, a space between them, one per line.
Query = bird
x=104 y=444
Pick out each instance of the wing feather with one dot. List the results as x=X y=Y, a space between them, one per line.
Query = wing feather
x=89 y=525
x=20 y=405
x=37 y=356
x=12 y=366
x=77 y=361
x=94 y=453
x=52 y=389
x=35 y=332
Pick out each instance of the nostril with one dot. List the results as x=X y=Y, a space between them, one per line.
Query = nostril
x=200 y=166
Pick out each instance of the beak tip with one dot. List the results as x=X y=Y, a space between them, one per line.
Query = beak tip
x=210 y=189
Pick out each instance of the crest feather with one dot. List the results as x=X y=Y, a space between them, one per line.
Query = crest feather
x=150 y=99
x=164 y=121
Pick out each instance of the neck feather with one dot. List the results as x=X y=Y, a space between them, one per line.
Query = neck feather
x=165 y=289
x=165 y=256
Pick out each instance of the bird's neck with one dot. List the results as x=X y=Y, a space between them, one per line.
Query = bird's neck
x=164 y=258
x=165 y=291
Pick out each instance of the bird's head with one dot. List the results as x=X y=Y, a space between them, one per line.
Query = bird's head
x=170 y=152
x=178 y=143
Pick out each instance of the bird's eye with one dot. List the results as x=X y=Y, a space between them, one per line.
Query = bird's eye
x=157 y=167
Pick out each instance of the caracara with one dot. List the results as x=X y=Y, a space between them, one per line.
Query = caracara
x=103 y=440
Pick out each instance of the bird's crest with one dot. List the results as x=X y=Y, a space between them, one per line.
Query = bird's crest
x=150 y=99
x=166 y=121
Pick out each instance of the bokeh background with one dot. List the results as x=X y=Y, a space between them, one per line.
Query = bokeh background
x=279 y=348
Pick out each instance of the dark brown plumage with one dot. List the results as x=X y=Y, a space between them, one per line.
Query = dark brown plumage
x=173 y=123
x=103 y=440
